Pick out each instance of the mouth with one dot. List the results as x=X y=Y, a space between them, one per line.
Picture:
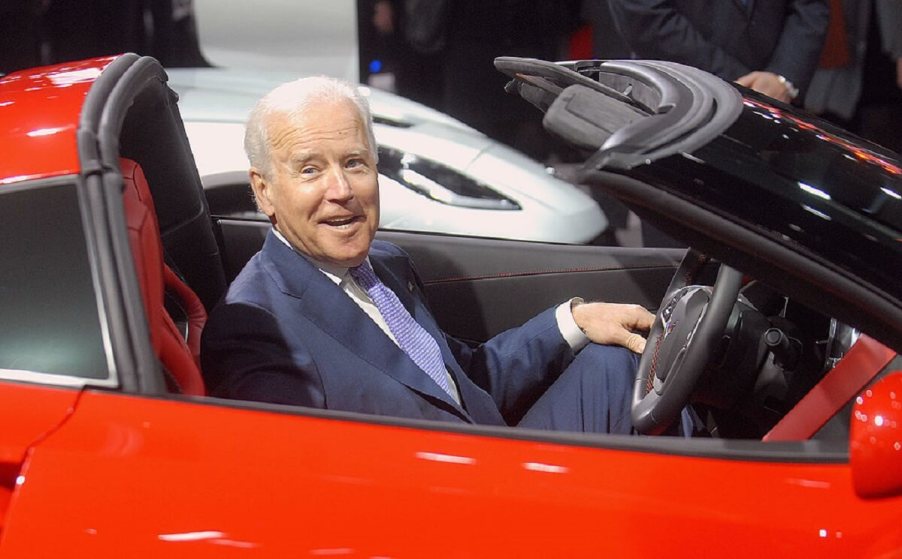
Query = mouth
x=343 y=222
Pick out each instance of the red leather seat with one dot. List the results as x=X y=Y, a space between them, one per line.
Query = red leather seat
x=179 y=355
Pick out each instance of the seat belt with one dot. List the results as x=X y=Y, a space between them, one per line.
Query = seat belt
x=864 y=360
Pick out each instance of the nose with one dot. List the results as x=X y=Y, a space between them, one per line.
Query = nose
x=339 y=187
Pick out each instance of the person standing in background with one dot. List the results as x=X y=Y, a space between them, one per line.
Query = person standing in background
x=478 y=31
x=771 y=46
x=164 y=29
x=858 y=84
x=389 y=61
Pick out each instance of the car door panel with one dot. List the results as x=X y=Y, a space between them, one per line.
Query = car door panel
x=28 y=413
x=479 y=287
x=168 y=478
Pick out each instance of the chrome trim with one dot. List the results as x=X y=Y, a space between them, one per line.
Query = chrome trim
x=90 y=241
x=58 y=380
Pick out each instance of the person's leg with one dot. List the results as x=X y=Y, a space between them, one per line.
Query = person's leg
x=592 y=395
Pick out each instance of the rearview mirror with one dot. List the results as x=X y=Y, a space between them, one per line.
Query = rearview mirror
x=875 y=444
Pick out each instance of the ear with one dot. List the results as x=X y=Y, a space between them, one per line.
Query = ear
x=262 y=190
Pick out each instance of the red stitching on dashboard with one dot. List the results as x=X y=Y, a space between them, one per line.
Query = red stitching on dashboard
x=501 y=275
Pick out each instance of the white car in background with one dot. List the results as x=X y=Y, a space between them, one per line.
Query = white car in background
x=436 y=173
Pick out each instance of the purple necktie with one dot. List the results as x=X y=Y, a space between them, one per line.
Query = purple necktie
x=413 y=339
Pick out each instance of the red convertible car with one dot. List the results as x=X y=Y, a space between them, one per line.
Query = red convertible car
x=781 y=327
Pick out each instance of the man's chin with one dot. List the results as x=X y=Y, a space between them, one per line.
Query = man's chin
x=353 y=262
x=348 y=258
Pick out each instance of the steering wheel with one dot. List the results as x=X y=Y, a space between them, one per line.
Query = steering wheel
x=687 y=329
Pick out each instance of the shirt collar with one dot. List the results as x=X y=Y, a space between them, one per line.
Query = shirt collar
x=337 y=274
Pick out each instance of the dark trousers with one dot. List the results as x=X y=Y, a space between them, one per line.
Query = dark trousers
x=592 y=395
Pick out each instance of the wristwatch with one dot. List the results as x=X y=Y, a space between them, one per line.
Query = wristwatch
x=575 y=302
x=791 y=89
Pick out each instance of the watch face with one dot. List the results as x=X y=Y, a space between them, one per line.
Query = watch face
x=791 y=89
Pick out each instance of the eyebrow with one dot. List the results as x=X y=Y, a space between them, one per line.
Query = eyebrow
x=359 y=151
x=302 y=157
x=307 y=154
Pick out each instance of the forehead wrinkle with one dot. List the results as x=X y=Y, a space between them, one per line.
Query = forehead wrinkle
x=304 y=141
x=321 y=120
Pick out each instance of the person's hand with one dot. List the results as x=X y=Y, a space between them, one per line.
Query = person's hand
x=899 y=72
x=614 y=324
x=767 y=83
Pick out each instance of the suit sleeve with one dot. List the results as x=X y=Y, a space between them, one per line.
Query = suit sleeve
x=245 y=357
x=799 y=47
x=656 y=29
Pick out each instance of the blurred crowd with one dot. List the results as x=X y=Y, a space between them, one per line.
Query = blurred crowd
x=441 y=52
x=839 y=58
x=37 y=32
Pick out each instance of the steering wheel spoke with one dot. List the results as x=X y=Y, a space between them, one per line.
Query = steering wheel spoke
x=689 y=324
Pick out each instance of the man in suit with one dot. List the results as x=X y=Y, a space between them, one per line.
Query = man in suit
x=325 y=317
x=771 y=46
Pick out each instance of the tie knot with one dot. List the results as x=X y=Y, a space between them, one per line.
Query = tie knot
x=364 y=275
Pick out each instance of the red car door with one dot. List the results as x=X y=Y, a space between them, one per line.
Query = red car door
x=144 y=477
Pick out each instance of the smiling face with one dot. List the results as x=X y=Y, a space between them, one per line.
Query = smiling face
x=321 y=192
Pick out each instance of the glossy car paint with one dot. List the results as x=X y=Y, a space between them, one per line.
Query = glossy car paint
x=103 y=474
x=39 y=110
x=874 y=422
x=28 y=414
x=852 y=196
x=177 y=479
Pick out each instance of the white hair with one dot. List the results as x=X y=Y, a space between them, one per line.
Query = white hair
x=292 y=99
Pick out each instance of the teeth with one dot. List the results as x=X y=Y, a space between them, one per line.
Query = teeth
x=340 y=222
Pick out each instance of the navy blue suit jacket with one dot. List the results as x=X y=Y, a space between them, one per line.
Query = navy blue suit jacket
x=287 y=334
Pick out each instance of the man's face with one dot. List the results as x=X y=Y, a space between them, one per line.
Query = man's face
x=322 y=194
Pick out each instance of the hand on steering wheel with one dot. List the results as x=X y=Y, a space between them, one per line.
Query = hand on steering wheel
x=687 y=328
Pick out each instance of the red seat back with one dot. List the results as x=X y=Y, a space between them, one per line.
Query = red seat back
x=179 y=356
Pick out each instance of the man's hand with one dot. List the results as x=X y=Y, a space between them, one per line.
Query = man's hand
x=767 y=83
x=614 y=324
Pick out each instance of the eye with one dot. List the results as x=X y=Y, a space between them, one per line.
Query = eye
x=308 y=171
x=354 y=162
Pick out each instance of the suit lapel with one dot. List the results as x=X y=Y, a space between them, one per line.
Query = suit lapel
x=322 y=302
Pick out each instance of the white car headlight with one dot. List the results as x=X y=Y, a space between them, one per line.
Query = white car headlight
x=440 y=183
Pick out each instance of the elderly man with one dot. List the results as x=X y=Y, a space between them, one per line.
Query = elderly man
x=326 y=317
